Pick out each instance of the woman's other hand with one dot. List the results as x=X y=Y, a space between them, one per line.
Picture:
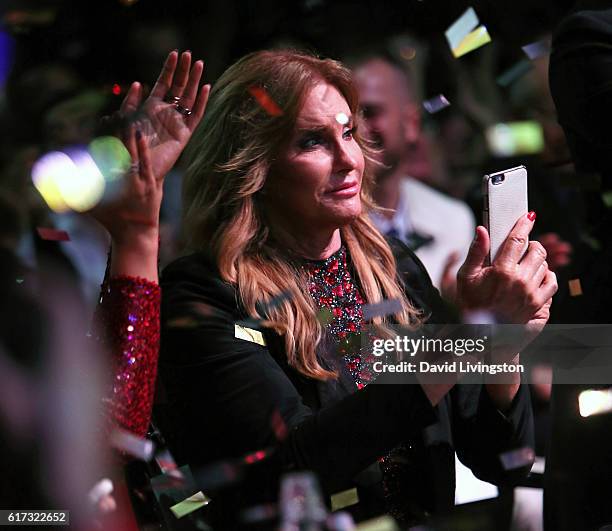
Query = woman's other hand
x=517 y=288
x=172 y=110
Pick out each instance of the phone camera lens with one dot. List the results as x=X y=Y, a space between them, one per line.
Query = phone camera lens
x=497 y=179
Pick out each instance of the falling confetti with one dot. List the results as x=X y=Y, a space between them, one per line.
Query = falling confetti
x=343 y=499
x=575 y=287
x=132 y=445
x=537 y=49
x=517 y=458
x=53 y=235
x=435 y=104
x=265 y=101
x=464 y=35
x=189 y=505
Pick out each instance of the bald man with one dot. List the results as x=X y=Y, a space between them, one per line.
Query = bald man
x=437 y=227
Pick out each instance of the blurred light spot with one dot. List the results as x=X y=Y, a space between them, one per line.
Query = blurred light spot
x=515 y=138
x=111 y=157
x=116 y=89
x=85 y=190
x=48 y=171
x=408 y=53
x=595 y=402
x=342 y=118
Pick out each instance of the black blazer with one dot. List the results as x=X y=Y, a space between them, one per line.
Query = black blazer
x=222 y=392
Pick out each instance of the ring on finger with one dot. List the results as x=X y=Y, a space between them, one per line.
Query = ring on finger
x=183 y=110
x=172 y=99
x=134 y=168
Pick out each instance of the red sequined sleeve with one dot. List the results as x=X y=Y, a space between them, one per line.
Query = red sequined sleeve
x=127 y=325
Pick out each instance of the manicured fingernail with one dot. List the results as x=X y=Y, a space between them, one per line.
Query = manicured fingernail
x=531 y=216
x=187 y=51
x=138 y=134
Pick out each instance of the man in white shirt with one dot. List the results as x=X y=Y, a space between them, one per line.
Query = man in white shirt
x=439 y=228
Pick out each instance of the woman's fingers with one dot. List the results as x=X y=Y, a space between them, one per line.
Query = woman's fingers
x=179 y=81
x=200 y=106
x=191 y=89
x=129 y=139
x=537 y=279
x=144 y=158
x=132 y=99
x=535 y=255
x=513 y=248
x=164 y=81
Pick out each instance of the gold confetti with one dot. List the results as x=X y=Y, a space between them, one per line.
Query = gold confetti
x=575 y=288
x=248 y=334
x=343 y=499
x=187 y=506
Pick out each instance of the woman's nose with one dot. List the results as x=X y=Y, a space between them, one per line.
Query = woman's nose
x=344 y=158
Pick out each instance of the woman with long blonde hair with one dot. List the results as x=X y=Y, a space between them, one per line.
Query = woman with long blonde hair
x=261 y=321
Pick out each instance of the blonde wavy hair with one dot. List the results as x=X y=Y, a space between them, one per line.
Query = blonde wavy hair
x=229 y=158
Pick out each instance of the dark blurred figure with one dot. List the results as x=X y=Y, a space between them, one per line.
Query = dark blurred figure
x=579 y=467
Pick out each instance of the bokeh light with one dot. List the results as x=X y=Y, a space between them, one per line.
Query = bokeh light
x=595 y=402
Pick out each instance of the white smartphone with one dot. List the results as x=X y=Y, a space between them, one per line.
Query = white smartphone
x=505 y=201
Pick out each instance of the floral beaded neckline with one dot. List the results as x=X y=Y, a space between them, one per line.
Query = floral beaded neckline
x=335 y=293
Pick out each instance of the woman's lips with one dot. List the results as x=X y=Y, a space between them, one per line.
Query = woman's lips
x=345 y=190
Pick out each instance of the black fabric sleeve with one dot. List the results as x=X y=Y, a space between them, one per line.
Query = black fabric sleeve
x=482 y=433
x=223 y=391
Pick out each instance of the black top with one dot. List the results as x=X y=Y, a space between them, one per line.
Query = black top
x=222 y=393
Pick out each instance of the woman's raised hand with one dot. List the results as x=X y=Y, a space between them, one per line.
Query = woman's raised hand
x=517 y=288
x=172 y=110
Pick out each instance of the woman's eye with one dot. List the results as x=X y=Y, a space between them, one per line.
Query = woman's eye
x=310 y=141
x=349 y=133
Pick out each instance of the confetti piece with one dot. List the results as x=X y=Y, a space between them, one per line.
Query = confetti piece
x=517 y=458
x=189 y=505
x=382 y=523
x=513 y=73
x=248 y=334
x=265 y=101
x=382 y=309
x=474 y=40
x=459 y=29
x=537 y=49
x=595 y=402
x=53 y=235
x=278 y=425
x=575 y=287
x=435 y=104
x=131 y=444
x=342 y=118
x=102 y=488
x=341 y=521
x=343 y=499
x=168 y=465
